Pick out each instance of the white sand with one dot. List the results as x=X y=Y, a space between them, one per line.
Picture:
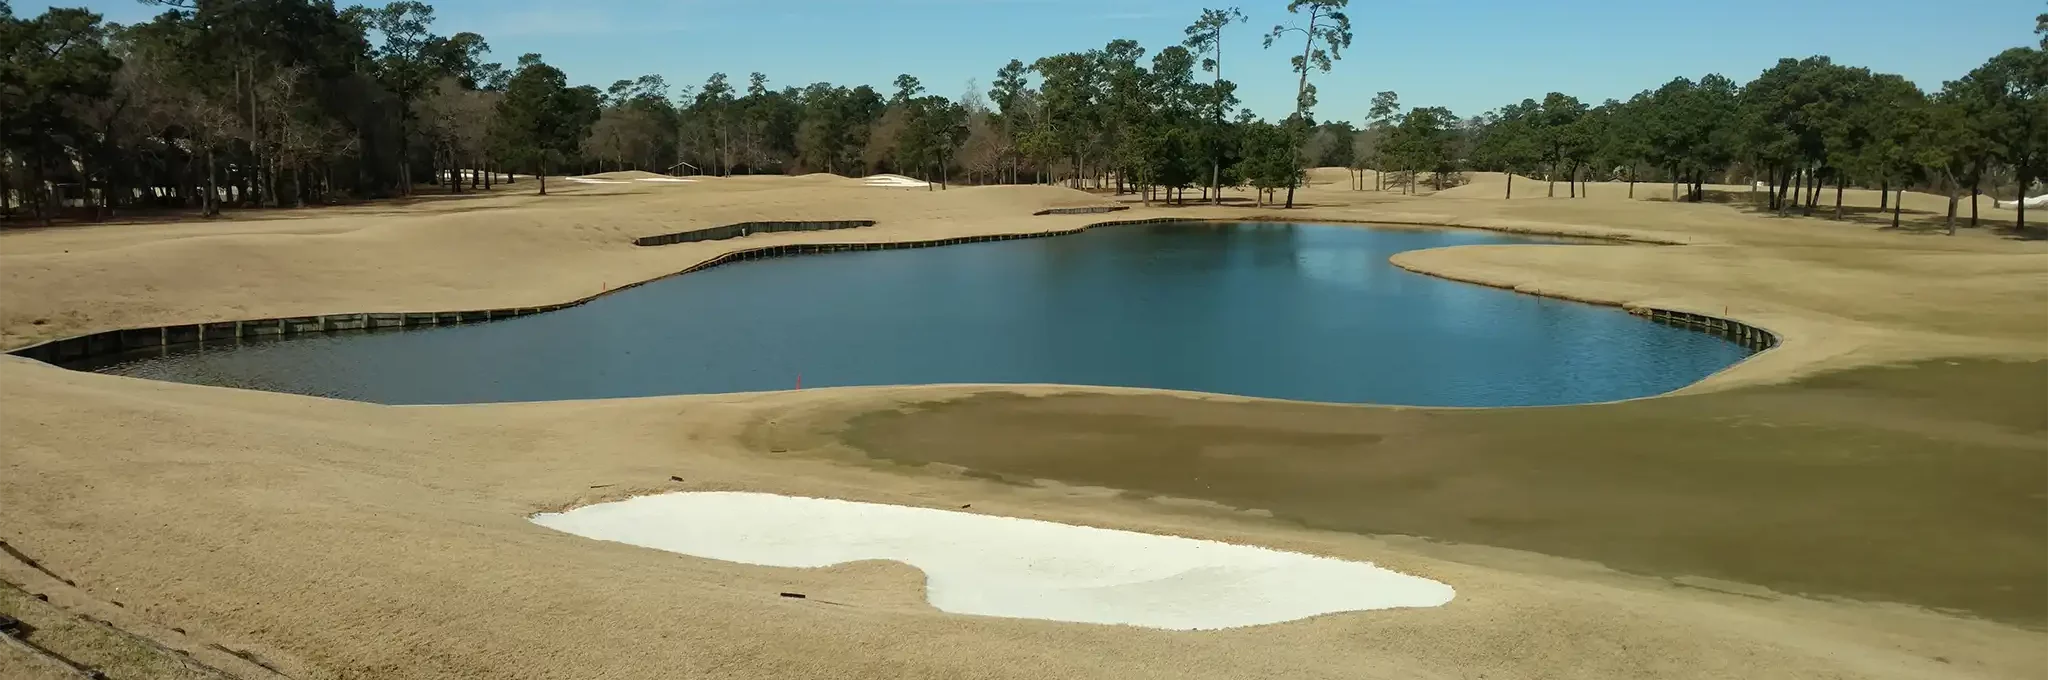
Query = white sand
x=1010 y=567
x=676 y=180
x=594 y=180
x=895 y=181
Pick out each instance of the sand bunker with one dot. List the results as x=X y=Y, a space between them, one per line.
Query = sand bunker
x=1010 y=567
x=895 y=181
x=666 y=179
x=594 y=180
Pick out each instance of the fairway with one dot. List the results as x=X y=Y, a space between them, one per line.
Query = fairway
x=1022 y=341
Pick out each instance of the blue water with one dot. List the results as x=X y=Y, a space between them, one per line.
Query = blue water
x=1270 y=310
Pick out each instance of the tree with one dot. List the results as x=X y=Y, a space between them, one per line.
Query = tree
x=1008 y=93
x=1072 y=115
x=1948 y=147
x=1897 y=129
x=1688 y=129
x=1380 y=119
x=217 y=103
x=1328 y=25
x=1128 y=103
x=713 y=109
x=1510 y=142
x=1626 y=145
x=907 y=88
x=2014 y=88
x=58 y=62
x=1558 y=133
x=1330 y=145
x=1205 y=36
x=1971 y=100
x=1424 y=142
x=1269 y=159
x=543 y=119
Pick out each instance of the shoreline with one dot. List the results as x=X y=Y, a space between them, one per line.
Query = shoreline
x=110 y=343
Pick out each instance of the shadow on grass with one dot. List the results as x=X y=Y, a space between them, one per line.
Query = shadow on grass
x=1910 y=221
x=1918 y=484
x=428 y=197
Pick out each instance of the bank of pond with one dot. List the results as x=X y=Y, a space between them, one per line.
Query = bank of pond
x=1293 y=311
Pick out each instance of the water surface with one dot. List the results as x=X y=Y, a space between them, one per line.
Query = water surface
x=1306 y=312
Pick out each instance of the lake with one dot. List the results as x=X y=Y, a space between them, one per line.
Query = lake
x=1294 y=311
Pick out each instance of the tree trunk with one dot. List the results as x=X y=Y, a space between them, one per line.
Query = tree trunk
x=1784 y=191
x=1952 y=199
x=543 y=177
x=1811 y=188
x=1839 y=181
x=1550 y=173
x=2026 y=180
x=1511 y=184
x=1674 y=184
x=1976 y=188
x=1771 y=192
x=212 y=186
x=1895 y=207
x=1884 y=195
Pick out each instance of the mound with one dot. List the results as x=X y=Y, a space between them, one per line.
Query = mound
x=1330 y=175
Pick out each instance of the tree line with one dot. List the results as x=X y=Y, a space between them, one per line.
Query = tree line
x=279 y=103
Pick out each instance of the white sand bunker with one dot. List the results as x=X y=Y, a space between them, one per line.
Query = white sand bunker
x=1010 y=567
x=673 y=180
x=895 y=181
x=594 y=180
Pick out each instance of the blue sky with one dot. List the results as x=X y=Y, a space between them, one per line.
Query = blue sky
x=1470 y=55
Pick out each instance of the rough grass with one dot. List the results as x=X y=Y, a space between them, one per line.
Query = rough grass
x=86 y=643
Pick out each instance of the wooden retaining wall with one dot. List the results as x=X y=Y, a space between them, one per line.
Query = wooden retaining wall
x=84 y=348
x=1091 y=210
x=1751 y=337
x=745 y=228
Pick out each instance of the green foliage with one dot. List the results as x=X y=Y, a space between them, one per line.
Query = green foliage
x=1689 y=127
x=541 y=118
x=266 y=101
x=1510 y=142
x=2008 y=100
x=1424 y=141
x=1332 y=145
x=1268 y=157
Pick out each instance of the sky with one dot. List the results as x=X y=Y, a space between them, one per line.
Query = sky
x=1469 y=56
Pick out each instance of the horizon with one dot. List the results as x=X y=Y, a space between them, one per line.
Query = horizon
x=599 y=44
